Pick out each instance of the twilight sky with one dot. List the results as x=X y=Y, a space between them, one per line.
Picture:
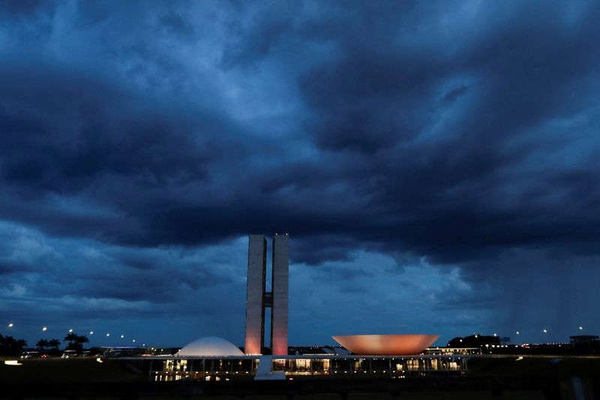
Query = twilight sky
x=435 y=164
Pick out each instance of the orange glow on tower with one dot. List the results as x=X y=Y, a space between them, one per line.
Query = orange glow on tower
x=258 y=299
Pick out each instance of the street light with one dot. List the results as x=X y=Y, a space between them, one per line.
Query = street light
x=44 y=329
x=11 y=325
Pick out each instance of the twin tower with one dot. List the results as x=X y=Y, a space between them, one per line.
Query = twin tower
x=258 y=299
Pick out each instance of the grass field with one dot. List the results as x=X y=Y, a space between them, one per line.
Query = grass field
x=516 y=378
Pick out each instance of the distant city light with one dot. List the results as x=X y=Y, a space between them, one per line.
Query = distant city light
x=545 y=331
x=495 y=334
x=44 y=329
x=581 y=328
x=122 y=336
x=70 y=330
x=518 y=333
x=108 y=334
x=133 y=340
x=91 y=332
x=11 y=325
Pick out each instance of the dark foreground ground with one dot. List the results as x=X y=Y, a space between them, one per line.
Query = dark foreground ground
x=488 y=378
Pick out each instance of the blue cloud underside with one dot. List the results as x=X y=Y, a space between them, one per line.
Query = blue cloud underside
x=434 y=165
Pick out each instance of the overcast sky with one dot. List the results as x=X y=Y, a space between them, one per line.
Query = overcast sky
x=435 y=164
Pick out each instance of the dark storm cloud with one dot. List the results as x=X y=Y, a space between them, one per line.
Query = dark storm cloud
x=68 y=135
x=63 y=131
x=474 y=130
x=456 y=135
x=174 y=23
x=257 y=30
x=446 y=127
x=10 y=267
x=435 y=132
x=20 y=7
x=379 y=100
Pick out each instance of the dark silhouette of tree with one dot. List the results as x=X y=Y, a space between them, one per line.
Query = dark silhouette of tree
x=10 y=346
x=49 y=346
x=474 y=341
x=54 y=344
x=75 y=341
x=42 y=344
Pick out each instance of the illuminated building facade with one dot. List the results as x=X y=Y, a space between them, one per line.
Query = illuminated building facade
x=307 y=366
x=258 y=299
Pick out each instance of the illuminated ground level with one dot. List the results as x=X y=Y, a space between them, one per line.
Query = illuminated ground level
x=305 y=377
x=297 y=367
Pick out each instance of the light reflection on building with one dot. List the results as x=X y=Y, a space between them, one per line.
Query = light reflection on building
x=227 y=368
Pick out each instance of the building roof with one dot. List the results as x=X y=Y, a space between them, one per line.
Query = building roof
x=210 y=346
x=386 y=344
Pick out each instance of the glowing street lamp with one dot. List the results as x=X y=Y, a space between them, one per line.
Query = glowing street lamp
x=581 y=328
x=11 y=325
x=108 y=334
x=91 y=332
x=44 y=329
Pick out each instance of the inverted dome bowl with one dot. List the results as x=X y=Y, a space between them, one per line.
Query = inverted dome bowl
x=386 y=344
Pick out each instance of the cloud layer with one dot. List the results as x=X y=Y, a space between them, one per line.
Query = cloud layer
x=434 y=165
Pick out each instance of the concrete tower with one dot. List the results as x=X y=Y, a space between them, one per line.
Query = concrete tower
x=255 y=294
x=258 y=299
x=279 y=308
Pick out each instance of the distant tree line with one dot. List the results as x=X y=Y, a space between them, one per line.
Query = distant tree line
x=9 y=346
x=474 y=341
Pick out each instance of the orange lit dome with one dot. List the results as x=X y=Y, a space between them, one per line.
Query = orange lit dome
x=386 y=344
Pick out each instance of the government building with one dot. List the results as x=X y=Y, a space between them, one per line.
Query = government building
x=214 y=359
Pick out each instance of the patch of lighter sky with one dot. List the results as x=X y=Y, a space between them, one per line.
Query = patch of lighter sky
x=26 y=245
x=370 y=294
x=14 y=290
x=445 y=120
x=560 y=143
x=26 y=291
x=575 y=11
x=78 y=206
x=444 y=31
x=93 y=304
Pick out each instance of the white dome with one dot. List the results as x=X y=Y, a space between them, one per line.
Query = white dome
x=210 y=346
